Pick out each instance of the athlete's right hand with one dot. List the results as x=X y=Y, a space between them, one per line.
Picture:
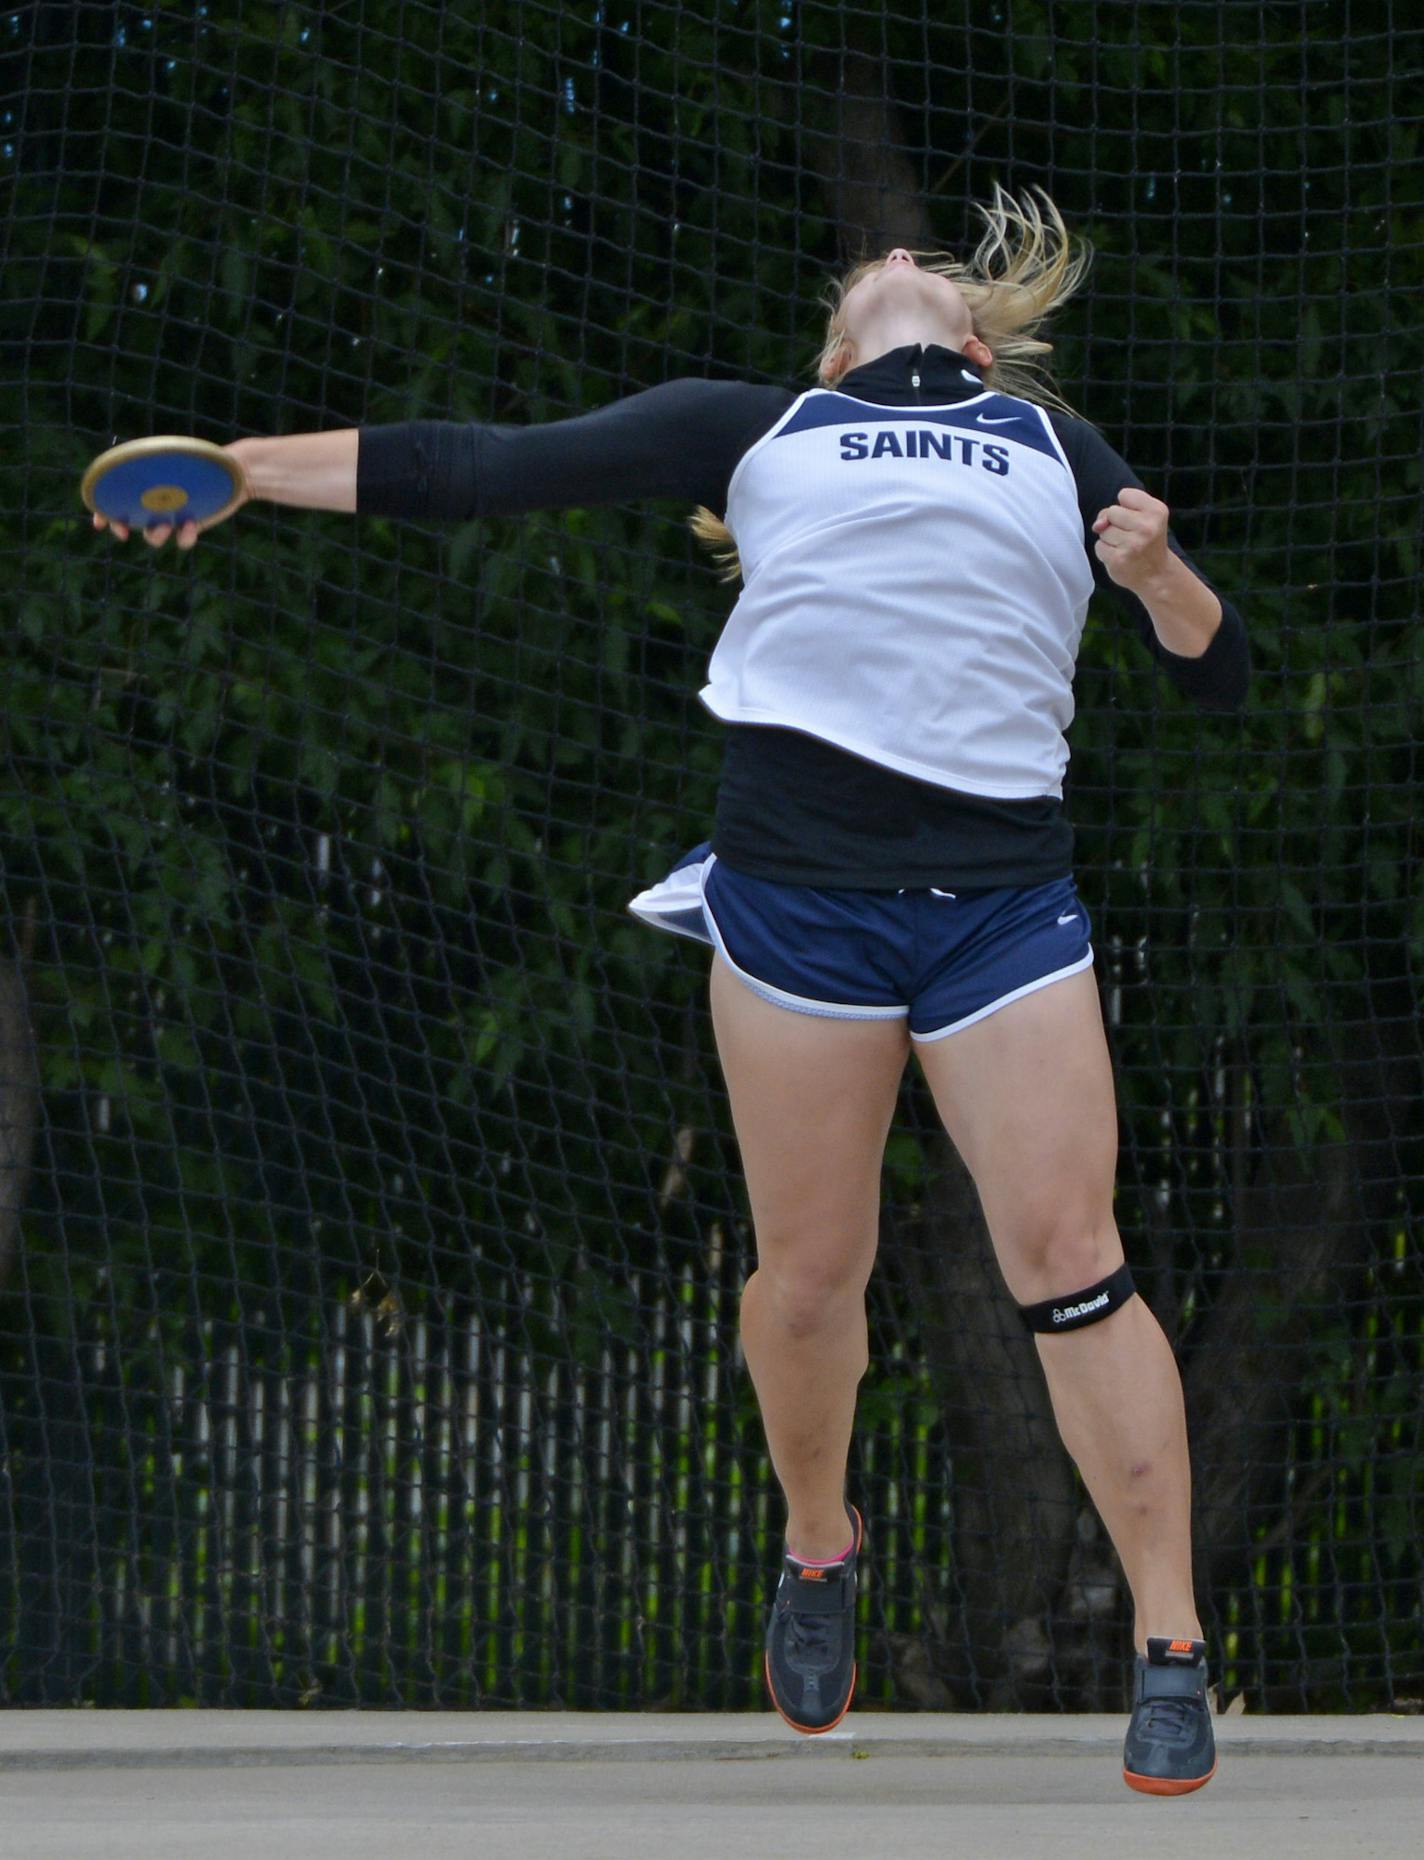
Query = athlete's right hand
x=186 y=534
x=154 y=537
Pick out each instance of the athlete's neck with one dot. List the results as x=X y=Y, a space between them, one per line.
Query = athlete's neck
x=910 y=353
x=903 y=333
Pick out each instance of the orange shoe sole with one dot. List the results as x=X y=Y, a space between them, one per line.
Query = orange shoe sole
x=1163 y=1785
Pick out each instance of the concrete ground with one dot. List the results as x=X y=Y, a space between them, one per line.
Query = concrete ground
x=86 y=1785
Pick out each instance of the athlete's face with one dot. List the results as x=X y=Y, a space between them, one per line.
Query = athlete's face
x=896 y=303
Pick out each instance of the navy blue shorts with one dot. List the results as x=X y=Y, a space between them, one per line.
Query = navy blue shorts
x=942 y=960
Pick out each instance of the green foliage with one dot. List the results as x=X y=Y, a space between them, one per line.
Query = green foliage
x=328 y=828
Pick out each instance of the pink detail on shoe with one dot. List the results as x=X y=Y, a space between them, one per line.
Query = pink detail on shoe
x=827 y=1562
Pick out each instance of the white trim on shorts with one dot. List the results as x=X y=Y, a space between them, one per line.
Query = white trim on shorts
x=679 y=894
x=780 y=997
x=1004 y=1000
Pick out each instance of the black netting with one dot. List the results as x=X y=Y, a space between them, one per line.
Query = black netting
x=372 y=1224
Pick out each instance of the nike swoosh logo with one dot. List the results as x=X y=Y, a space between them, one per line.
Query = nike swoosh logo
x=1004 y=419
x=1071 y=918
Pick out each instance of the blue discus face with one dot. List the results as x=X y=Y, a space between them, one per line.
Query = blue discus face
x=163 y=487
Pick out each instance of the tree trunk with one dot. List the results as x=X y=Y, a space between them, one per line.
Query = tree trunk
x=852 y=140
x=1016 y=1502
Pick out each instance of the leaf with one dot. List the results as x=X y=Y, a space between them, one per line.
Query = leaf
x=102 y=295
x=235 y=272
x=1298 y=910
x=461 y=549
x=1301 y=993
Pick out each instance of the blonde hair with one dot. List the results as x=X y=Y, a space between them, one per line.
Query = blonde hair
x=1024 y=267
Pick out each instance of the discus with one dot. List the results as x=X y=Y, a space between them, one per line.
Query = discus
x=168 y=479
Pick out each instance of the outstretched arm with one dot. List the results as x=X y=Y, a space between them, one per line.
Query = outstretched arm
x=680 y=440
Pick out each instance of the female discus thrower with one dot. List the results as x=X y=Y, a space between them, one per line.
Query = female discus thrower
x=919 y=534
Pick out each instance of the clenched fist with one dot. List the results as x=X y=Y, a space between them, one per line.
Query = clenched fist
x=1132 y=538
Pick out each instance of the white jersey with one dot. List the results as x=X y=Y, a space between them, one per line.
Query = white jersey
x=915 y=588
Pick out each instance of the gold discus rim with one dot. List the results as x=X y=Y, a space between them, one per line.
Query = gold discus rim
x=129 y=449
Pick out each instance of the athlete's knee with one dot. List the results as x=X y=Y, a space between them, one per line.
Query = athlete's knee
x=807 y=1297
x=1061 y=1254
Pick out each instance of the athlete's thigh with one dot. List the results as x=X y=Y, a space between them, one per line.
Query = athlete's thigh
x=1027 y=1097
x=812 y=1099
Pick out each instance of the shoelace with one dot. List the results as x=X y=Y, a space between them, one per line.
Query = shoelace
x=810 y=1634
x=1169 y=1717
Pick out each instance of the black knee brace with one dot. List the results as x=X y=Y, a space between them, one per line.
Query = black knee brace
x=1075 y=1309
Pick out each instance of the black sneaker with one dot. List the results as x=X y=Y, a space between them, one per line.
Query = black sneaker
x=810 y=1643
x=1170 y=1748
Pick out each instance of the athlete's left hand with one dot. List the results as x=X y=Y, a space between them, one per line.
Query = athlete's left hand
x=1132 y=538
